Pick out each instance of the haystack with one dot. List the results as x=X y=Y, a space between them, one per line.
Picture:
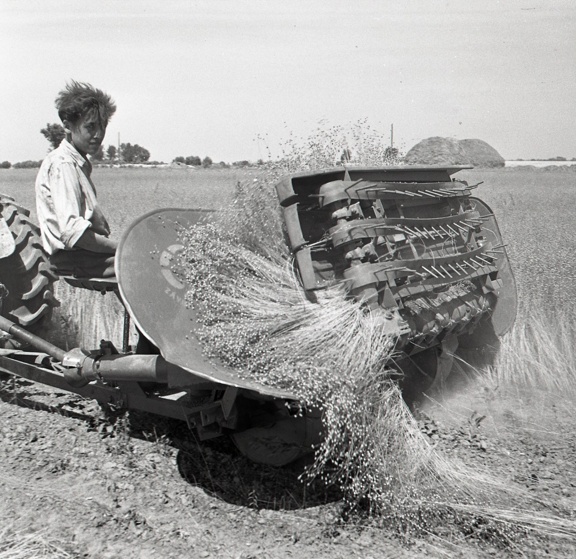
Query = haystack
x=448 y=151
x=482 y=154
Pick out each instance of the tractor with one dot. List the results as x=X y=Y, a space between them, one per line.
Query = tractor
x=410 y=242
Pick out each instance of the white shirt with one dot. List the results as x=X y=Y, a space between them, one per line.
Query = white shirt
x=66 y=199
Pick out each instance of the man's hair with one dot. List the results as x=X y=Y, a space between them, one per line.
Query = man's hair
x=78 y=99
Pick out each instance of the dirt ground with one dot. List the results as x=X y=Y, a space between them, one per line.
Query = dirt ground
x=94 y=486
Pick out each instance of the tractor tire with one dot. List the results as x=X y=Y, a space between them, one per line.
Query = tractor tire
x=28 y=281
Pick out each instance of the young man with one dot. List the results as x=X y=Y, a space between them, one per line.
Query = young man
x=75 y=233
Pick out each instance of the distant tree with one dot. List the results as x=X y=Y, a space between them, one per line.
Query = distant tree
x=54 y=133
x=260 y=162
x=193 y=160
x=111 y=152
x=207 y=162
x=189 y=160
x=99 y=155
x=243 y=163
x=5 y=165
x=134 y=153
x=27 y=164
x=224 y=165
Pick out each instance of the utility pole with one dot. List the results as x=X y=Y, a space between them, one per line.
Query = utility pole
x=392 y=135
x=118 y=152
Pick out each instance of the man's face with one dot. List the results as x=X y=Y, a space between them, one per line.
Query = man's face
x=87 y=134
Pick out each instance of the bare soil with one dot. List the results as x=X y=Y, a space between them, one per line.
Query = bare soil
x=104 y=485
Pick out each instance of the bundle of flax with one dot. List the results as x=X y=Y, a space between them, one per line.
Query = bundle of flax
x=330 y=353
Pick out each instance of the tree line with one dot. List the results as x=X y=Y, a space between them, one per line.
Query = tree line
x=126 y=153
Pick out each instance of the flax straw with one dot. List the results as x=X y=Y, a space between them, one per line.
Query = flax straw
x=332 y=355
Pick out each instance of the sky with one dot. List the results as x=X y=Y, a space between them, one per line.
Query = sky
x=211 y=77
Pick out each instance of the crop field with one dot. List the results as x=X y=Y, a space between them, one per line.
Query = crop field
x=534 y=208
x=124 y=194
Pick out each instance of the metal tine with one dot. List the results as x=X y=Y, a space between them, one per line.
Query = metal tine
x=457 y=224
x=411 y=193
x=455 y=270
x=412 y=231
x=428 y=193
x=492 y=251
x=399 y=192
x=445 y=271
x=453 y=230
x=461 y=267
x=482 y=261
x=442 y=193
x=429 y=271
x=405 y=192
x=437 y=271
x=432 y=191
x=445 y=230
x=423 y=232
x=434 y=229
x=426 y=233
x=415 y=193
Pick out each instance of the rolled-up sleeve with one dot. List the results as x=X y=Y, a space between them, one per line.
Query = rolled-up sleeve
x=68 y=203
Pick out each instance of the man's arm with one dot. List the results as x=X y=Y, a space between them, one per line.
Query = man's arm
x=68 y=201
x=96 y=243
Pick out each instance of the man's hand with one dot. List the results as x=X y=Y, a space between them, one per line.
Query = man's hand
x=96 y=243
